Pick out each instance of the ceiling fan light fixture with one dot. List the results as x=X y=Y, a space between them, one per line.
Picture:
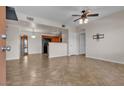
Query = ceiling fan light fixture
x=86 y=20
x=84 y=15
x=81 y=21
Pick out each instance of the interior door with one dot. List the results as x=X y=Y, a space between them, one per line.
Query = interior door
x=2 y=44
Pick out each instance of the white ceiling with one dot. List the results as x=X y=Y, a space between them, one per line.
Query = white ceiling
x=63 y=14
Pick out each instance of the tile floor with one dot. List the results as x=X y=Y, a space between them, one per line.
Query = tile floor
x=74 y=70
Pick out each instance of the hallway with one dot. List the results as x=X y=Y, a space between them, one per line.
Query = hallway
x=74 y=70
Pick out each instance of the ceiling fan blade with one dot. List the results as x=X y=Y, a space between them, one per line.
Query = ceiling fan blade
x=76 y=19
x=76 y=15
x=92 y=15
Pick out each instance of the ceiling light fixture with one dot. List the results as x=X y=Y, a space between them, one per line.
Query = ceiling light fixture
x=81 y=21
x=85 y=20
x=33 y=36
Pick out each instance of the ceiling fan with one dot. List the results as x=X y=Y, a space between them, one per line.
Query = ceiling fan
x=85 y=14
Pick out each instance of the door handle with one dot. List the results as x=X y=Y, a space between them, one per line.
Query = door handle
x=5 y=48
x=3 y=36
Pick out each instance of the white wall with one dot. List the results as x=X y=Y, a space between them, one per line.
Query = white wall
x=35 y=45
x=13 y=39
x=111 y=48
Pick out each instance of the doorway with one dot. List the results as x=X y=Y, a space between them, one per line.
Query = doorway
x=45 y=43
x=82 y=43
x=24 y=45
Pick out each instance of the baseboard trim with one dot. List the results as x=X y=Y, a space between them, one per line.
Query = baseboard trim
x=106 y=60
x=9 y=59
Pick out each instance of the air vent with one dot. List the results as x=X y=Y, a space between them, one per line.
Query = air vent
x=30 y=18
x=11 y=14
